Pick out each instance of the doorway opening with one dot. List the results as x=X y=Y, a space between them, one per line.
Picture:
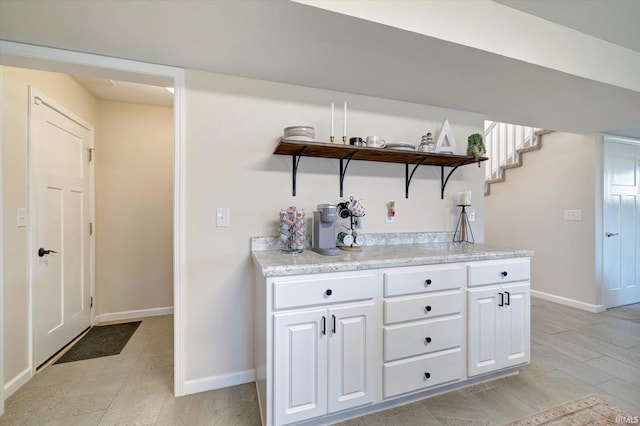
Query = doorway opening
x=71 y=63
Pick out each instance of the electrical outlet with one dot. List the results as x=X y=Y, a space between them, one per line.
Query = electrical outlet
x=573 y=215
x=391 y=212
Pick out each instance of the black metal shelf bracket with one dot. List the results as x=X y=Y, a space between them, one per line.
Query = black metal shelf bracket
x=408 y=177
x=343 y=170
x=443 y=181
x=296 y=160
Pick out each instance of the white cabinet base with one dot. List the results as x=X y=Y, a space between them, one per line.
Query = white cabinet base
x=407 y=399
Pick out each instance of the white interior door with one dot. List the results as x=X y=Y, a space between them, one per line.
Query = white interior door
x=621 y=240
x=60 y=185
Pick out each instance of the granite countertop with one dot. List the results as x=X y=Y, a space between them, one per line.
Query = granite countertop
x=275 y=263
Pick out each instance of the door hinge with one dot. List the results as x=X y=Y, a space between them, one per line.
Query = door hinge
x=91 y=302
x=91 y=153
x=90 y=228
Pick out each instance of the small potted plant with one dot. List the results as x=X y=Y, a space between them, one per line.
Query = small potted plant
x=475 y=146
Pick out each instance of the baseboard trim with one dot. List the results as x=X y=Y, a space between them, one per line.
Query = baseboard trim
x=218 y=382
x=17 y=382
x=569 y=302
x=127 y=315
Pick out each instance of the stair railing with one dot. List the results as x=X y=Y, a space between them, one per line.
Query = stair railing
x=504 y=142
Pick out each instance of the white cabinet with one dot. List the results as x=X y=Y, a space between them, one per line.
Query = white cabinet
x=498 y=316
x=423 y=343
x=324 y=357
x=300 y=356
x=329 y=346
x=352 y=356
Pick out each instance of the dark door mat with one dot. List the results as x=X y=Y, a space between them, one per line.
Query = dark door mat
x=103 y=340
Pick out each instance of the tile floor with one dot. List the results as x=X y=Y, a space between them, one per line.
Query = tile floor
x=574 y=354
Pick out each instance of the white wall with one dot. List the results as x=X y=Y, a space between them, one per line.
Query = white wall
x=134 y=208
x=232 y=127
x=527 y=211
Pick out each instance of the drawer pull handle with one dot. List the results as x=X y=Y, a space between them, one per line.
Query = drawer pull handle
x=427 y=375
x=427 y=339
x=324 y=325
x=508 y=302
x=329 y=292
x=427 y=282
x=501 y=299
x=504 y=274
x=333 y=327
x=427 y=308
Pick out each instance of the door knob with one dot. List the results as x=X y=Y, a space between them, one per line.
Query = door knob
x=612 y=234
x=42 y=252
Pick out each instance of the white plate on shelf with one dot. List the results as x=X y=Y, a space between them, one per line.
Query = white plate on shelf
x=299 y=138
x=404 y=146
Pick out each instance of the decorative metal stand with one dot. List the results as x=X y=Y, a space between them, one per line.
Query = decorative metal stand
x=463 y=228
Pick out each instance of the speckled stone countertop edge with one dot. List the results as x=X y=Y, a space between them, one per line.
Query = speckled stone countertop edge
x=275 y=263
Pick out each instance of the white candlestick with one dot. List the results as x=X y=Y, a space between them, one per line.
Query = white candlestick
x=331 y=119
x=344 y=130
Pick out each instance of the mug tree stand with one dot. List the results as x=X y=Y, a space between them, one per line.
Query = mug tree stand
x=352 y=247
x=463 y=228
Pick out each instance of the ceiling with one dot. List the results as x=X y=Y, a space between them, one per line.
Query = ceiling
x=295 y=43
x=125 y=91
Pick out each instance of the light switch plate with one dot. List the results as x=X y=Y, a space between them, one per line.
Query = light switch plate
x=471 y=215
x=222 y=217
x=21 y=217
x=573 y=215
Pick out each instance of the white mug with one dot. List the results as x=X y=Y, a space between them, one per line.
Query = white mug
x=375 y=142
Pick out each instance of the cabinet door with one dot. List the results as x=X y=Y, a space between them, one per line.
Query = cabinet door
x=352 y=356
x=516 y=323
x=483 y=330
x=300 y=365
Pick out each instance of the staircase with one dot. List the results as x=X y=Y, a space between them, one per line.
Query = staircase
x=505 y=144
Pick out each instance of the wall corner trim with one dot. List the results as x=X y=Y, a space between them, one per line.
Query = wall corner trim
x=569 y=302
x=220 y=381
x=17 y=382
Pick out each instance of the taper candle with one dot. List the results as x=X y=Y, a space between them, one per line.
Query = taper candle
x=331 y=120
x=344 y=130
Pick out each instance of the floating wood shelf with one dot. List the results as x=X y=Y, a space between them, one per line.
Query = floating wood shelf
x=347 y=153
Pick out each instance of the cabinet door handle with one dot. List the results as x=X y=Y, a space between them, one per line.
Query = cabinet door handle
x=324 y=325
x=427 y=281
x=427 y=339
x=427 y=375
x=508 y=298
x=333 y=327
x=427 y=308
x=501 y=299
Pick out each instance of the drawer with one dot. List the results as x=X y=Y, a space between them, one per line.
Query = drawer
x=498 y=271
x=423 y=307
x=423 y=372
x=422 y=338
x=321 y=289
x=422 y=279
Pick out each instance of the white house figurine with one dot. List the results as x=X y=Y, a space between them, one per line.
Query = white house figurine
x=446 y=140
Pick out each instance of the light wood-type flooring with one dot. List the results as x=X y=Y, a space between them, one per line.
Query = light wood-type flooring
x=573 y=354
